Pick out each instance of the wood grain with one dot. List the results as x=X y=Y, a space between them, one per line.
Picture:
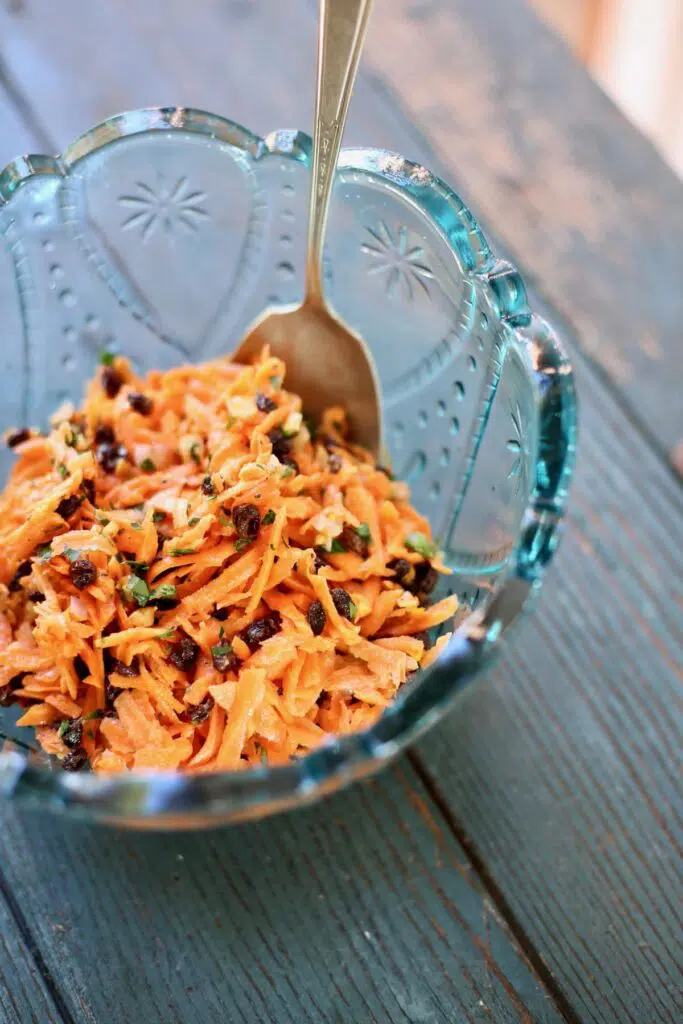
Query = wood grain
x=364 y=909
x=24 y=996
x=15 y=135
x=578 y=197
x=564 y=768
x=582 y=201
x=561 y=771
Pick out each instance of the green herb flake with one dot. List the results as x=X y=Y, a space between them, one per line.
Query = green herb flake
x=164 y=592
x=221 y=632
x=419 y=543
x=71 y=554
x=276 y=383
x=337 y=548
x=287 y=471
x=168 y=634
x=363 y=532
x=194 y=452
x=230 y=422
x=106 y=357
x=136 y=526
x=176 y=552
x=268 y=518
x=44 y=553
x=220 y=650
x=241 y=543
x=223 y=519
x=263 y=754
x=148 y=465
x=63 y=726
x=102 y=520
x=158 y=516
x=353 y=610
x=98 y=713
x=62 y=470
x=135 y=589
x=193 y=521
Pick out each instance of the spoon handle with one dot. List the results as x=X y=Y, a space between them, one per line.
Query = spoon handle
x=341 y=32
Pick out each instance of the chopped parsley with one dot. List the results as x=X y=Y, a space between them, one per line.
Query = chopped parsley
x=175 y=552
x=106 y=357
x=44 y=552
x=158 y=516
x=223 y=519
x=193 y=521
x=71 y=554
x=62 y=470
x=148 y=465
x=337 y=548
x=98 y=713
x=135 y=589
x=220 y=650
x=241 y=543
x=194 y=452
x=353 y=610
x=287 y=471
x=363 y=532
x=164 y=592
x=419 y=543
x=268 y=518
x=276 y=383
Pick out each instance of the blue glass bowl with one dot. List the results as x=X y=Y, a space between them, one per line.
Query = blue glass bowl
x=161 y=233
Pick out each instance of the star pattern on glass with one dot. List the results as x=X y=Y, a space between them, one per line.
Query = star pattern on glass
x=402 y=263
x=165 y=206
x=517 y=445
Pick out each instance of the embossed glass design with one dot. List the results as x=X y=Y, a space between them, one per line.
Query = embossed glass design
x=161 y=234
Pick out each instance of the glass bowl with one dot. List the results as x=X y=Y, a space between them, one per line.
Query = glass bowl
x=161 y=233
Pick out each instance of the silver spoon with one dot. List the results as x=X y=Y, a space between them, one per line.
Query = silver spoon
x=327 y=363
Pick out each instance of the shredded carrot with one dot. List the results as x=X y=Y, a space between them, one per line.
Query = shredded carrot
x=191 y=580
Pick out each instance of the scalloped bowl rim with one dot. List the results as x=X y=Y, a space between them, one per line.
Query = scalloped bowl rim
x=338 y=760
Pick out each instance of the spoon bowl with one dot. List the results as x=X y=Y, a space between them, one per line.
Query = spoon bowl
x=328 y=364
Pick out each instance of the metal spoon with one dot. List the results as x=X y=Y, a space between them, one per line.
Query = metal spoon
x=327 y=363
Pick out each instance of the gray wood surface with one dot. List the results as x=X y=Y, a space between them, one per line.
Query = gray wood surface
x=564 y=768
x=560 y=773
x=363 y=910
x=581 y=199
x=24 y=994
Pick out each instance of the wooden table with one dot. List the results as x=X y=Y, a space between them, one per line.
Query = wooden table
x=523 y=862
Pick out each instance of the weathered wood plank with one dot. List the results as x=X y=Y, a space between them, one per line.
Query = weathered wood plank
x=579 y=197
x=24 y=996
x=364 y=909
x=564 y=767
x=576 y=194
x=562 y=764
x=15 y=136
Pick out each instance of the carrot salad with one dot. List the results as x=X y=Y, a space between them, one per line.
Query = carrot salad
x=193 y=577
